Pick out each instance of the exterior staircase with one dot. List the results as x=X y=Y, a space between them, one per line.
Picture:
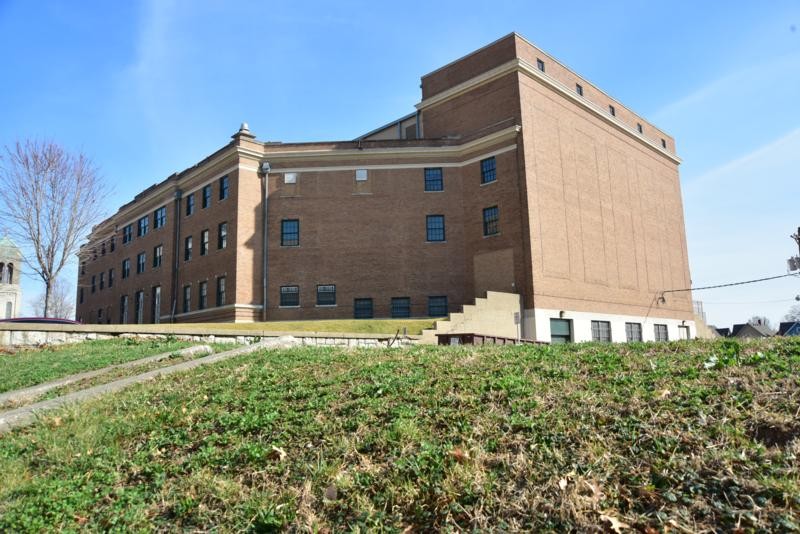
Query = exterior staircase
x=493 y=315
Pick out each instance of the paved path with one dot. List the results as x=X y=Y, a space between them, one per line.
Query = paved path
x=21 y=395
x=28 y=414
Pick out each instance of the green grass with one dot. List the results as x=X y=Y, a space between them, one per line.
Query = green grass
x=684 y=436
x=355 y=326
x=29 y=367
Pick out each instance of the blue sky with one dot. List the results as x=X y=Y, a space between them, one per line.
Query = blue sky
x=149 y=88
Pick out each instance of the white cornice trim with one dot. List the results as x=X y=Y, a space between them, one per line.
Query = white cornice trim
x=522 y=66
x=423 y=165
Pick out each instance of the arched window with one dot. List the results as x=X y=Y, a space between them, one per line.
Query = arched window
x=9 y=310
x=10 y=273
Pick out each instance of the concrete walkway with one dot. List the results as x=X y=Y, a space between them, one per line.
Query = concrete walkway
x=22 y=395
x=28 y=414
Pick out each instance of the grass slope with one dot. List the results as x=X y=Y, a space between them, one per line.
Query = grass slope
x=679 y=436
x=29 y=367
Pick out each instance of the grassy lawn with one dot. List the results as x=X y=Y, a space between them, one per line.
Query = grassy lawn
x=683 y=436
x=355 y=326
x=35 y=366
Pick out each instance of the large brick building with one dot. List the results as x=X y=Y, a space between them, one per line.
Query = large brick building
x=514 y=174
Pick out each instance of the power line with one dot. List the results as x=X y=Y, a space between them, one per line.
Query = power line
x=729 y=284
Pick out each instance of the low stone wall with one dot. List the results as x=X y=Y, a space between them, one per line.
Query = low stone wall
x=29 y=335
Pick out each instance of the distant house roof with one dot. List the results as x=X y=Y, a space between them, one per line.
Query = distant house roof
x=750 y=330
x=790 y=328
x=724 y=332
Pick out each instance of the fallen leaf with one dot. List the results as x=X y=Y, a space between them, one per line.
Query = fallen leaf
x=331 y=493
x=562 y=484
x=613 y=523
x=277 y=454
x=459 y=455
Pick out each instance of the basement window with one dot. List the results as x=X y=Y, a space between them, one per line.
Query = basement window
x=362 y=309
x=290 y=297
x=326 y=295
x=401 y=307
x=601 y=331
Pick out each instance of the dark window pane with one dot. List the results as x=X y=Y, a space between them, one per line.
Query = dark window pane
x=290 y=232
x=434 y=180
x=326 y=295
x=437 y=306
x=362 y=308
x=491 y=217
x=401 y=307
x=488 y=170
x=435 y=228
x=290 y=296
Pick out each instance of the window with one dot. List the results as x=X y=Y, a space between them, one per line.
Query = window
x=83 y=268
x=187 y=248
x=139 y=307
x=488 y=170
x=222 y=235
x=204 y=242
x=663 y=143
x=560 y=331
x=362 y=308
x=683 y=332
x=326 y=295
x=80 y=297
x=123 y=309
x=290 y=296
x=437 y=306
x=126 y=268
x=401 y=307
x=127 y=233
x=103 y=249
x=579 y=89
x=187 y=299
x=633 y=332
x=94 y=283
x=661 y=332
x=203 y=300
x=160 y=217
x=612 y=110
x=155 y=306
x=290 y=233
x=435 y=227
x=142 y=226
x=639 y=127
x=158 y=255
x=433 y=179
x=206 y=200
x=189 y=204
x=223 y=188
x=221 y=291
x=100 y=316
x=540 y=64
x=361 y=175
x=491 y=217
x=290 y=178
x=113 y=243
x=140 y=259
x=110 y=278
x=601 y=331
x=102 y=281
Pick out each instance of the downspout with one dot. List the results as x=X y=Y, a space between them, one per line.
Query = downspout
x=265 y=168
x=175 y=253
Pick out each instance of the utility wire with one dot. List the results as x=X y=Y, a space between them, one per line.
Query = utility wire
x=730 y=284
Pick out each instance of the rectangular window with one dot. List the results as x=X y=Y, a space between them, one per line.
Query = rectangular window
x=401 y=307
x=290 y=232
x=126 y=268
x=206 y=201
x=139 y=306
x=103 y=249
x=222 y=235
x=94 y=283
x=434 y=180
x=435 y=227
x=290 y=178
x=204 y=242
x=290 y=296
x=123 y=309
x=80 y=295
x=540 y=64
x=683 y=332
x=560 y=331
x=488 y=170
x=221 y=291
x=202 y=302
x=326 y=295
x=160 y=217
x=140 y=259
x=142 y=226
x=100 y=316
x=113 y=243
x=155 y=306
x=110 y=278
x=187 y=248
x=83 y=268
x=579 y=89
x=127 y=233
x=361 y=175
x=663 y=143
x=158 y=255
x=102 y=281
x=633 y=332
x=362 y=308
x=187 y=299
x=491 y=217
x=612 y=110
x=601 y=331
x=639 y=127
x=661 y=332
x=437 y=306
x=189 y=204
x=223 y=188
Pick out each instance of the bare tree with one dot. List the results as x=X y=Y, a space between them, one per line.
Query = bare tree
x=793 y=314
x=760 y=320
x=50 y=199
x=61 y=303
